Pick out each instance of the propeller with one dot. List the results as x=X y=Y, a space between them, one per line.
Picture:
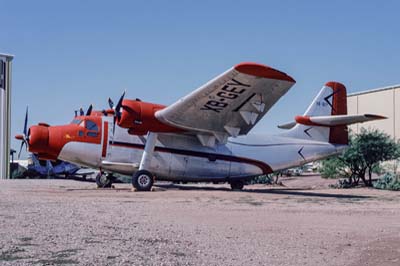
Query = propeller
x=117 y=109
x=89 y=110
x=82 y=112
x=110 y=103
x=25 y=137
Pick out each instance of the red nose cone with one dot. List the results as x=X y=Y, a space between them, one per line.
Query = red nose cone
x=38 y=139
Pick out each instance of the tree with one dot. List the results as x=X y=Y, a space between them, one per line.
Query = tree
x=365 y=152
x=375 y=147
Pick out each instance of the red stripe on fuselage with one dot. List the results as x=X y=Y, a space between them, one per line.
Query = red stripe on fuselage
x=266 y=169
x=105 y=140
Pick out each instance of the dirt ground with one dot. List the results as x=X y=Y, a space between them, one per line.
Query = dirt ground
x=64 y=222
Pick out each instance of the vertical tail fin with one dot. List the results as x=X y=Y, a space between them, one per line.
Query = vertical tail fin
x=331 y=100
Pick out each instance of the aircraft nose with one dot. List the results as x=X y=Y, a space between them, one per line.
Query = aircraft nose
x=38 y=139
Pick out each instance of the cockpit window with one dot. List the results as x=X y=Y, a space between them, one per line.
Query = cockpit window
x=90 y=125
x=76 y=121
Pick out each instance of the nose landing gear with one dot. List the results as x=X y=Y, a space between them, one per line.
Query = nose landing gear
x=237 y=184
x=104 y=180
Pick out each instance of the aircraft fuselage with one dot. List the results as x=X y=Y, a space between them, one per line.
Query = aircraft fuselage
x=180 y=157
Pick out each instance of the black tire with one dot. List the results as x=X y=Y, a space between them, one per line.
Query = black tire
x=142 y=180
x=103 y=181
x=237 y=185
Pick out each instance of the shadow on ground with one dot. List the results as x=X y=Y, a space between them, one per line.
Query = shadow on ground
x=279 y=191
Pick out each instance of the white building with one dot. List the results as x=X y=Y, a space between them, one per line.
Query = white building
x=5 y=114
x=382 y=101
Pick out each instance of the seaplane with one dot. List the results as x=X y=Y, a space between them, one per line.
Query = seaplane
x=203 y=136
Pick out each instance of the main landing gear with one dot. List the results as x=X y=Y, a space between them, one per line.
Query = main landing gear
x=104 y=180
x=236 y=184
x=143 y=180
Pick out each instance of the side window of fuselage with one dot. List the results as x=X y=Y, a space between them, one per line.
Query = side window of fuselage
x=92 y=134
x=92 y=128
x=90 y=125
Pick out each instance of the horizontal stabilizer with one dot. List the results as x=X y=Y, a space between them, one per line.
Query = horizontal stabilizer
x=336 y=120
x=288 y=125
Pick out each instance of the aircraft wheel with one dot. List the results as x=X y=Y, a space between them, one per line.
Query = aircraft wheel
x=103 y=180
x=237 y=185
x=142 y=180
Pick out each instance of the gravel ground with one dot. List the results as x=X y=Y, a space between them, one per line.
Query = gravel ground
x=64 y=222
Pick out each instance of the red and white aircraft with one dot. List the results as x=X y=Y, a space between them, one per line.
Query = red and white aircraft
x=202 y=136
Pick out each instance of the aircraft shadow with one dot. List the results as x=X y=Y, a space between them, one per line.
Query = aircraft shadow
x=305 y=192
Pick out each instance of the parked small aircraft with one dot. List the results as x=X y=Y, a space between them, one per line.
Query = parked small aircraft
x=204 y=135
x=35 y=168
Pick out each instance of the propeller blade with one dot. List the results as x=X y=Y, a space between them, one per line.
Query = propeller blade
x=117 y=110
x=89 y=110
x=81 y=112
x=119 y=105
x=20 y=149
x=115 y=120
x=27 y=138
x=110 y=103
x=26 y=122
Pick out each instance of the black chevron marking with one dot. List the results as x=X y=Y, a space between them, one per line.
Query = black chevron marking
x=306 y=131
x=327 y=100
x=299 y=152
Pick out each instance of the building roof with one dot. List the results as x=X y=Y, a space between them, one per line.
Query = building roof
x=374 y=90
x=8 y=56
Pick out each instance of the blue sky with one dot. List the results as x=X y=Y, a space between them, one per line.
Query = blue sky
x=73 y=53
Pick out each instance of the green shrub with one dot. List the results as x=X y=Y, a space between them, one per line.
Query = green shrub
x=388 y=181
x=262 y=179
x=331 y=168
x=342 y=183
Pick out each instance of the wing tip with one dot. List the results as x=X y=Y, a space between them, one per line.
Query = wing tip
x=264 y=71
x=375 y=117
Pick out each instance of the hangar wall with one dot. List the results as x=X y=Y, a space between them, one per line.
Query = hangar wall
x=382 y=101
x=5 y=114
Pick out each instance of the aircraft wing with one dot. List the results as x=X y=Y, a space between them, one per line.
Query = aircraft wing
x=230 y=104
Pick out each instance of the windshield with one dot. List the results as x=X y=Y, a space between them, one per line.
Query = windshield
x=76 y=121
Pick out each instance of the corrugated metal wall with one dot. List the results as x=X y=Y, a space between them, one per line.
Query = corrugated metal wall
x=385 y=101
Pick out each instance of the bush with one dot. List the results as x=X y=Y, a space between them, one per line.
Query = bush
x=388 y=181
x=342 y=183
x=366 y=151
x=262 y=179
x=331 y=168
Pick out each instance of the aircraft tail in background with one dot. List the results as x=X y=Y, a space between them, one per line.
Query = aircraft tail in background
x=326 y=118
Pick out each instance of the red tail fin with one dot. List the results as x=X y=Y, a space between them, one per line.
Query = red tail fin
x=338 y=134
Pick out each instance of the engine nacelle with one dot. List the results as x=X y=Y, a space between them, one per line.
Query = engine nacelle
x=139 y=118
